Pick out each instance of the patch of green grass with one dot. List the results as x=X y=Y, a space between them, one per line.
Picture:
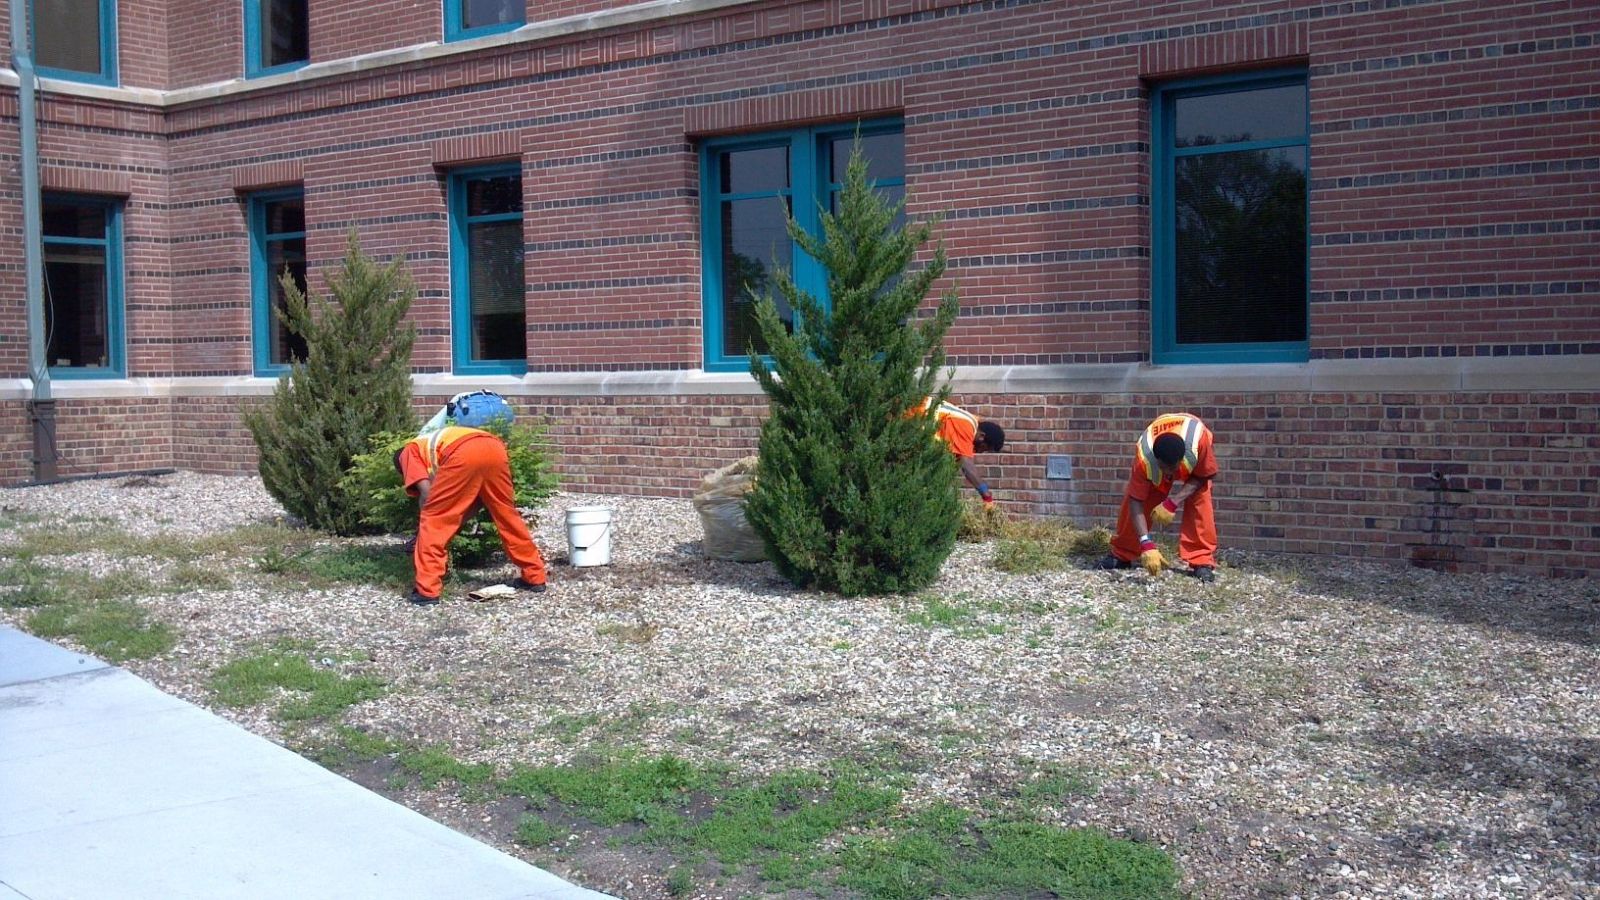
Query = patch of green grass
x=30 y=585
x=613 y=791
x=350 y=564
x=113 y=630
x=567 y=727
x=533 y=831
x=1056 y=786
x=188 y=576
x=63 y=541
x=432 y=765
x=936 y=612
x=316 y=693
x=680 y=881
x=945 y=854
x=348 y=746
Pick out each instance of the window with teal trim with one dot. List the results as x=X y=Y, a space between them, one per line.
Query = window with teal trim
x=1229 y=211
x=76 y=39
x=488 y=309
x=473 y=18
x=750 y=185
x=277 y=36
x=83 y=287
x=277 y=249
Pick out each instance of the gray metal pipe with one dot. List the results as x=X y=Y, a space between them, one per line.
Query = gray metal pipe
x=33 y=251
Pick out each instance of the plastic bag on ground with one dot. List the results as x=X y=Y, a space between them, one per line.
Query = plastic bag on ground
x=720 y=503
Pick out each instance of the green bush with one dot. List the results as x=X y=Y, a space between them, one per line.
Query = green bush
x=852 y=494
x=354 y=382
x=374 y=487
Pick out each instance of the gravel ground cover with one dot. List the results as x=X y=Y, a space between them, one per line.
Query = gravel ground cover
x=1302 y=728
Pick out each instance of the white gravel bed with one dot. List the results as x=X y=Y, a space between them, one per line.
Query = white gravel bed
x=1303 y=728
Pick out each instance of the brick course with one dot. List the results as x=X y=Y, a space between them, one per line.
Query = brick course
x=1455 y=159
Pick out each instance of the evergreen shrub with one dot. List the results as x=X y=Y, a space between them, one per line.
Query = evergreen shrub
x=853 y=493
x=354 y=382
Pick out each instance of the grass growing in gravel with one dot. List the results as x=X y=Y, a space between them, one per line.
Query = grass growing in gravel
x=378 y=565
x=33 y=584
x=35 y=542
x=846 y=826
x=316 y=692
x=1025 y=546
x=930 y=611
x=113 y=630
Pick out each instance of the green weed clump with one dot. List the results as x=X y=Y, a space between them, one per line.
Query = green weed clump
x=314 y=692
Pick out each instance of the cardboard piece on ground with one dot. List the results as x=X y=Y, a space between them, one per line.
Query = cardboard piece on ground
x=492 y=592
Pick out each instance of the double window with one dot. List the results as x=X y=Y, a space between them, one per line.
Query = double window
x=1229 y=220
x=277 y=36
x=488 y=315
x=472 y=18
x=83 y=286
x=277 y=251
x=750 y=186
x=76 y=39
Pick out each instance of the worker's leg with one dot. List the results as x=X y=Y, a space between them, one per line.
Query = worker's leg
x=455 y=486
x=1197 y=535
x=499 y=498
x=1125 y=543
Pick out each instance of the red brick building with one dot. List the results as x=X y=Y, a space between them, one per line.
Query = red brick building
x=1359 y=239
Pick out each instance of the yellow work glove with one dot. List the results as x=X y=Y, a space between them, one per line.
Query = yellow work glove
x=1164 y=512
x=1150 y=556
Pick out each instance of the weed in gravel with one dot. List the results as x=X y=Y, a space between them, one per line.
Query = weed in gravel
x=638 y=632
x=610 y=792
x=188 y=576
x=680 y=880
x=319 y=693
x=1055 y=786
x=1026 y=557
x=568 y=727
x=932 y=611
x=29 y=584
x=433 y=765
x=533 y=831
x=113 y=630
x=388 y=566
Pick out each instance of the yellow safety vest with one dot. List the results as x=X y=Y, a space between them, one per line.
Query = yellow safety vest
x=1186 y=426
x=433 y=444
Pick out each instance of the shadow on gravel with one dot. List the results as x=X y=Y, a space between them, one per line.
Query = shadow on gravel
x=1556 y=609
x=1556 y=782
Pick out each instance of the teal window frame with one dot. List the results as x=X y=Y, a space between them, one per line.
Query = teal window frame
x=116 y=351
x=1163 y=243
x=108 y=49
x=262 y=322
x=462 y=362
x=454 y=32
x=255 y=43
x=808 y=179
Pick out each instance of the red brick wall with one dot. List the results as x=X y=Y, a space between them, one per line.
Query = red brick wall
x=1455 y=161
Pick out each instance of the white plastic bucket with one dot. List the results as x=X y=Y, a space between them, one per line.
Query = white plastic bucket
x=589 y=535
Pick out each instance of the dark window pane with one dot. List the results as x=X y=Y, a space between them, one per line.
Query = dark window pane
x=885 y=153
x=755 y=243
x=484 y=13
x=494 y=254
x=1241 y=246
x=66 y=34
x=284 y=256
x=74 y=220
x=284 y=216
x=1264 y=114
x=891 y=193
x=285 y=32
x=76 y=306
x=493 y=196
x=748 y=171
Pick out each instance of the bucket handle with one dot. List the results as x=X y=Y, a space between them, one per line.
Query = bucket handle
x=603 y=532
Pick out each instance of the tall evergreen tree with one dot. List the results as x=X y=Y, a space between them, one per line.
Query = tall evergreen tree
x=354 y=382
x=853 y=492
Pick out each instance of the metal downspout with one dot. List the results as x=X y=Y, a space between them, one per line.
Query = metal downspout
x=41 y=407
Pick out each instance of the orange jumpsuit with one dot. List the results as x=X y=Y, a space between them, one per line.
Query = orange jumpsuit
x=466 y=465
x=1197 y=531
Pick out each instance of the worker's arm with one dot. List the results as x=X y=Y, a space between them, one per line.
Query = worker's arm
x=1141 y=525
x=970 y=472
x=424 y=487
x=1183 y=490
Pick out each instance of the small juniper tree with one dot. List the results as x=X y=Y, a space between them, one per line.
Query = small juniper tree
x=853 y=493
x=354 y=382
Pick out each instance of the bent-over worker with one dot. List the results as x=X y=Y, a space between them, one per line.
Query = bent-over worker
x=966 y=435
x=1173 y=466
x=451 y=471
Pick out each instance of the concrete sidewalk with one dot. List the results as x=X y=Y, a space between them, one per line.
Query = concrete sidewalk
x=110 y=788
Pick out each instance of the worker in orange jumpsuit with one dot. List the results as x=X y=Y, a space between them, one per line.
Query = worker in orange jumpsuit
x=966 y=435
x=1173 y=466
x=451 y=471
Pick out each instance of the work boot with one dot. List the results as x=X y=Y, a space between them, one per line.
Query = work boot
x=523 y=584
x=1112 y=561
x=422 y=599
x=1205 y=574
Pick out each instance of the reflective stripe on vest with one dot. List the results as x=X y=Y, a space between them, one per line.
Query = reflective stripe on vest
x=1193 y=431
x=433 y=443
x=950 y=409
